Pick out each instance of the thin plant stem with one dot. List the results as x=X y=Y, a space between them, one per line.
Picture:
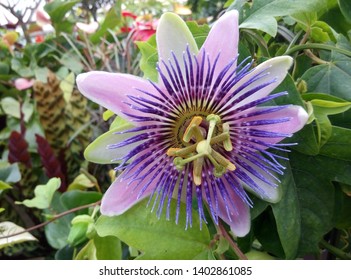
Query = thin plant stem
x=234 y=246
x=317 y=46
x=335 y=251
x=54 y=218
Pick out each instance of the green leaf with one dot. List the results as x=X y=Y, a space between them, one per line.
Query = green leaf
x=57 y=232
x=98 y=152
x=120 y=123
x=268 y=235
x=65 y=253
x=41 y=74
x=149 y=58
x=108 y=248
x=261 y=14
x=11 y=107
x=76 y=198
x=321 y=110
x=9 y=228
x=4 y=186
x=9 y=173
x=23 y=71
x=333 y=78
x=43 y=195
x=107 y=115
x=287 y=215
x=338 y=145
x=72 y=62
x=67 y=85
x=58 y=9
x=199 y=32
x=88 y=252
x=156 y=238
x=111 y=20
x=313 y=177
x=81 y=182
x=342 y=210
x=345 y=7
x=4 y=68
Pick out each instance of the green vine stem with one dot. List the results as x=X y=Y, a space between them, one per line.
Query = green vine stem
x=54 y=218
x=317 y=46
x=335 y=251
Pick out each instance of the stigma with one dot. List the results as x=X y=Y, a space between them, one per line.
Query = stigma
x=202 y=146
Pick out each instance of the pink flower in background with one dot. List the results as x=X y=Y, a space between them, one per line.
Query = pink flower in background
x=203 y=132
x=42 y=17
x=143 y=30
x=22 y=83
x=143 y=27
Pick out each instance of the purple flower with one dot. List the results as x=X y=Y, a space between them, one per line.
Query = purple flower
x=201 y=133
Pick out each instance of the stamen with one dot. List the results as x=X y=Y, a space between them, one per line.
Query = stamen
x=192 y=127
x=227 y=143
x=197 y=152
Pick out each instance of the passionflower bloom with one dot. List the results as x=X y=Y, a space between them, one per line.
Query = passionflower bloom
x=201 y=133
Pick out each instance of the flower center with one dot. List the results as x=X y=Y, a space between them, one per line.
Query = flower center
x=203 y=148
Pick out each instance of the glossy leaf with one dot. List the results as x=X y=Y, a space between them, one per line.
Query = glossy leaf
x=261 y=14
x=76 y=198
x=338 y=145
x=9 y=173
x=288 y=216
x=333 y=78
x=57 y=232
x=313 y=177
x=156 y=238
x=108 y=248
x=345 y=7
x=342 y=210
x=149 y=58
x=321 y=110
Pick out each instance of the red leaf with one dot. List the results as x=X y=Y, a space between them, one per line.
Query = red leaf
x=51 y=164
x=18 y=149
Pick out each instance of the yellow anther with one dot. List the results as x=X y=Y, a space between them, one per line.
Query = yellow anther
x=223 y=161
x=227 y=144
x=189 y=132
x=197 y=170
